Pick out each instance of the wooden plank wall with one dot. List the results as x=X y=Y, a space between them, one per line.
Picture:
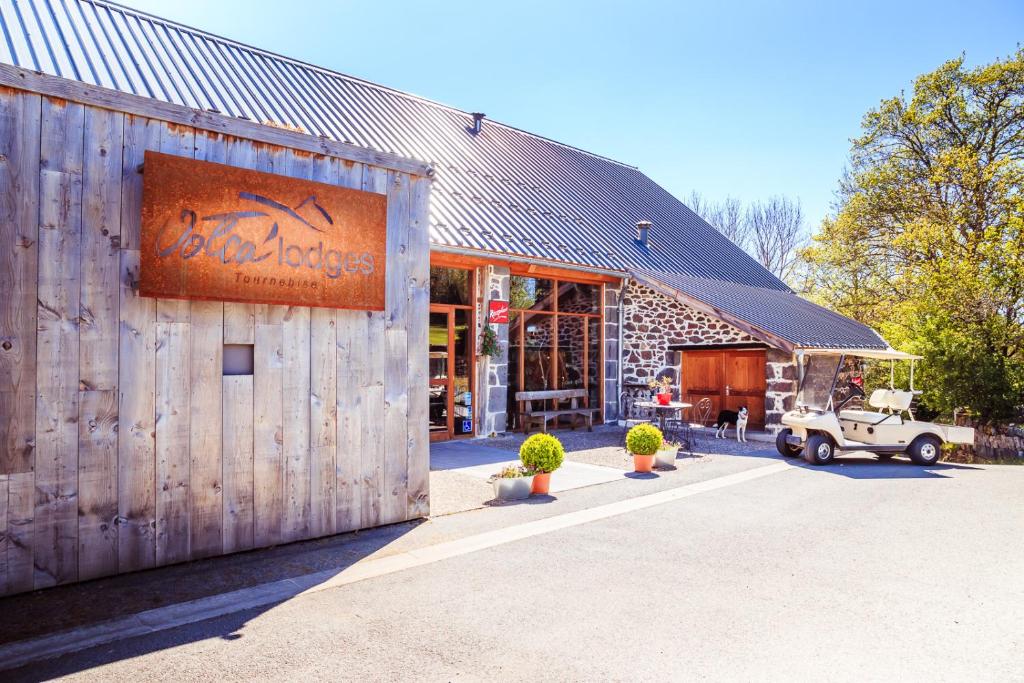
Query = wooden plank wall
x=122 y=444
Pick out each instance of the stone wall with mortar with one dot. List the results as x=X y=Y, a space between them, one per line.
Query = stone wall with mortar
x=653 y=322
x=612 y=293
x=493 y=371
x=992 y=442
x=781 y=379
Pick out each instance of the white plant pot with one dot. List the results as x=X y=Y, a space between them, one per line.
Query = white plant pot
x=666 y=458
x=513 y=489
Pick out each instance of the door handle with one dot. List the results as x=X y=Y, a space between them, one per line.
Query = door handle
x=727 y=390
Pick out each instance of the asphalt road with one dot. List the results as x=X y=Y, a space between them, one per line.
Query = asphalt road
x=861 y=571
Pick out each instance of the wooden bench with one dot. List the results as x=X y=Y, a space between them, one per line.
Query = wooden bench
x=528 y=416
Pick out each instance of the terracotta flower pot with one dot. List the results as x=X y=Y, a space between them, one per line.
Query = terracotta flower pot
x=541 y=483
x=665 y=398
x=642 y=463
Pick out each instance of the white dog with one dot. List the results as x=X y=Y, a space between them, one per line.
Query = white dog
x=727 y=417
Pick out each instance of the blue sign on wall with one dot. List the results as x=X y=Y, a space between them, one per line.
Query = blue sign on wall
x=467 y=426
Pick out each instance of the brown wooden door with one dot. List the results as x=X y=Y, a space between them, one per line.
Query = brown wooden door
x=730 y=378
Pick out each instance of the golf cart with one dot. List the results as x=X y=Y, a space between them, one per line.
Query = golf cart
x=827 y=418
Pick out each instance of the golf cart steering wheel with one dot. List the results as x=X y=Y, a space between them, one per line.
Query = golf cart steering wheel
x=855 y=391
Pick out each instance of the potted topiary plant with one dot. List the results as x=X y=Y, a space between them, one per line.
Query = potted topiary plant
x=543 y=454
x=643 y=441
x=514 y=482
x=666 y=455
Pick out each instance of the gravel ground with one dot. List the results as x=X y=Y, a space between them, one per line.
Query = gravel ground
x=455 y=492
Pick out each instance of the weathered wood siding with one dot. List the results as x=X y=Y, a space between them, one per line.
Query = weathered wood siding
x=122 y=445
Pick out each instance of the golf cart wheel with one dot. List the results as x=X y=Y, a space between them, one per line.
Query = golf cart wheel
x=785 y=449
x=925 y=450
x=819 y=450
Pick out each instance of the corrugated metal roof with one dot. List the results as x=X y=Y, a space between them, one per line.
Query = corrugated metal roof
x=501 y=190
x=783 y=314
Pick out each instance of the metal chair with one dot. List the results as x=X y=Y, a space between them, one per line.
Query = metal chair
x=632 y=414
x=702 y=411
x=688 y=426
x=680 y=430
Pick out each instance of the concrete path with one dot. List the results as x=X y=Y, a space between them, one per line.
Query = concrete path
x=862 y=570
x=476 y=459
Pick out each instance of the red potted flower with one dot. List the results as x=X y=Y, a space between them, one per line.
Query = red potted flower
x=662 y=389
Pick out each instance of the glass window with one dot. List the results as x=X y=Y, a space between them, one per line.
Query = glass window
x=463 y=411
x=576 y=298
x=515 y=346
x=594 y=362
x=570 y=351
x=450 y=286
x=538 y=335
x=530 y=293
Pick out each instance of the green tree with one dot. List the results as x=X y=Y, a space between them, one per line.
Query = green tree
x=926 y=243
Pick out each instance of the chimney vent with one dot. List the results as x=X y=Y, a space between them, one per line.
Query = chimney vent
x=478 y=122
x=642 y=230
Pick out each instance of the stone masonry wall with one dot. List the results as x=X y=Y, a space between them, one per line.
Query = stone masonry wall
x=781 y=381
x=653 y=322
x=612 y=292
x=494 y=370
x=999 y=442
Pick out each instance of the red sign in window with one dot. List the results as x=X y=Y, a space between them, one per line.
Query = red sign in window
x=498 y=313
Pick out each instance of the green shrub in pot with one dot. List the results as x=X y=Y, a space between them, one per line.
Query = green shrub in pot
x=644 y=439
x=542 y=453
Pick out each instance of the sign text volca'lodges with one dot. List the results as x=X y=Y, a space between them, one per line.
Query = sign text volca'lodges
x=211 y=231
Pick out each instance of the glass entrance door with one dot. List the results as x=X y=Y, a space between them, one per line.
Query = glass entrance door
x=451 y=372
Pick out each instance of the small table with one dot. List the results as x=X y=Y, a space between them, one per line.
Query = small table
x=663 y=411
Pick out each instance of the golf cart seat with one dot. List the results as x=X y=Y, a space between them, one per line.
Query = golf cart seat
x=893 y=400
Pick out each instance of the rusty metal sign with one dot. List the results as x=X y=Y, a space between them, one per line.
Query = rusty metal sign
x=217 y=232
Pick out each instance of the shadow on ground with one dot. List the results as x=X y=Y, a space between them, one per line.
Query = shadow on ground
x=866 y=466
x=54 y=610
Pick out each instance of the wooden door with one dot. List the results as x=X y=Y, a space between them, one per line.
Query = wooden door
x=702 y=378
x=745 y=383
x=730 y=378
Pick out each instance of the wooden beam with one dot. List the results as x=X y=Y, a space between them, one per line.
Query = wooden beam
x=462 y=257
x=740 y=324
x=84 y=93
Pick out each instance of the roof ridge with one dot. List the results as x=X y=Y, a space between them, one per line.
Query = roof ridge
x=355 y=79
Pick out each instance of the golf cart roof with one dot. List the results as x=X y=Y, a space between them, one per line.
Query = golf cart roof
x=881 y=354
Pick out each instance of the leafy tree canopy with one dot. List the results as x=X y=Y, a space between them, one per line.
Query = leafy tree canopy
x=926 y=243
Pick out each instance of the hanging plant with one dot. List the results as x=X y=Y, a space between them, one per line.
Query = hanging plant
x=489 y=342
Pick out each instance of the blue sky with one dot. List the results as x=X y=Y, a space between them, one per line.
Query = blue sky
x=745 y=99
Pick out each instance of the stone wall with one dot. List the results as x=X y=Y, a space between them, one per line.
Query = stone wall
x=653 y=322
x=781 y=379
x=493 y=370
x=992 y=442
x=611 y=351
